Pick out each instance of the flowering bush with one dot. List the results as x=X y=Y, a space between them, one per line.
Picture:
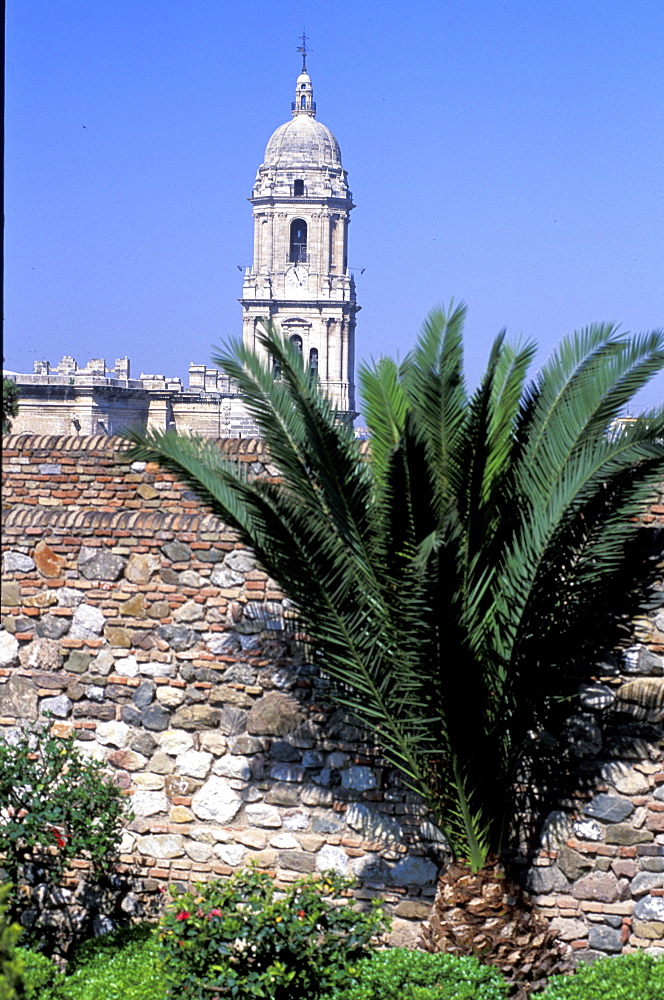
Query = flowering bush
x=56 y=805
x=244 y=938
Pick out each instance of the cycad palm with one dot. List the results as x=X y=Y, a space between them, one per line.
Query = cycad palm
x=441 y=575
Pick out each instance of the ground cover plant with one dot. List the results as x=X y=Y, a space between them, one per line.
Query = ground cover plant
x=624 y=977
x=11 y=964
x=128 y=965
x=125 y=965
x=39 y=974
x=243 y=938
x=447 y=578
x=401 y=974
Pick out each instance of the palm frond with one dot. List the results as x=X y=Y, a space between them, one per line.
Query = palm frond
x=385 y=408
x=432 y=376
x=442 y=580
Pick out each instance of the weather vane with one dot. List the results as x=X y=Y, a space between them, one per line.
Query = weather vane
x=303 y=49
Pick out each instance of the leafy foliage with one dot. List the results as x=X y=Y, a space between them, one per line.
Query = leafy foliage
x=39 y=974
x=9 y=403
x=401 y=974
x=447 y=581
x=56 y=805
x=11 y=963
x=623 y=977
x=241 y=938
x=120 y=966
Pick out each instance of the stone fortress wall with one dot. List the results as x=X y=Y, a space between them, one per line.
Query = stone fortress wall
x=136 y=618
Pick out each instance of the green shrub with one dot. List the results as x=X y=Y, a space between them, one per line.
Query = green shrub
x=242 y=938
x=11 y=964
x=118 y=967
x=9 y=404
x=624 y=977
x=57 y=803
x=39 y=973
x=400 y=974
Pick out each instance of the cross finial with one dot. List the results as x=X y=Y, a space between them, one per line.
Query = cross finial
x=303 y=50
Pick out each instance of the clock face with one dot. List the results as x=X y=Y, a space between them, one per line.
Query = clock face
x=297 y=277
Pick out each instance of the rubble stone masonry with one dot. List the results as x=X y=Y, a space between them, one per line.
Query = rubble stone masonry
x=134 y=616
x=136 y=619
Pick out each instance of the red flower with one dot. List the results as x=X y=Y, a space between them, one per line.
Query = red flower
x=183 y=915
x=301 y=913
x=214 y=913
x=59 y=839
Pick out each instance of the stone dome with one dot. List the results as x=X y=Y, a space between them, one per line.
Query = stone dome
x=302 y=142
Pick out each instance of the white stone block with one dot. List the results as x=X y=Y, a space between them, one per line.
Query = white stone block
x=175 y=741
x=127 y=666
x=117 y=734
x=332 y=859
x=230 y=854
x=161 y=846
x=8 y=649
x=146 y=781
x=217 y=801
x=87 y=623
x=149 y=803
x=231 y=766
x=170 y=697
x=193 y=763
x=260 y=814
x=284 y=842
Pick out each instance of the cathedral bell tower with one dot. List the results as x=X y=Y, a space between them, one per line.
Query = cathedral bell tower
x=300 y=277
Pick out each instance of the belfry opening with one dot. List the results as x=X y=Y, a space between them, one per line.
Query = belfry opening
x=297 y=253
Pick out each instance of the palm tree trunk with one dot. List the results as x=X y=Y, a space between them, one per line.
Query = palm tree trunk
x=487 y=914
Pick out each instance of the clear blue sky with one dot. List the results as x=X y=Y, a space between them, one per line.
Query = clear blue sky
x=503 y=152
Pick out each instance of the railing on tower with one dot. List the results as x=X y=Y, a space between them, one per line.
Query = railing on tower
x=312 y=106
x=297 y=254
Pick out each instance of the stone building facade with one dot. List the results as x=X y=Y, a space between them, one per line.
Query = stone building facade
x=67 y=399
x=299 y=279
x=135 y=617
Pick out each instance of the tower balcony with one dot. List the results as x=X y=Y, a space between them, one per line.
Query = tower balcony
x=295 y=107
x=297 y=254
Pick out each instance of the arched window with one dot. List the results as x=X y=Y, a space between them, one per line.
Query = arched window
x=298 y=242
x=296 y=341
x=303 y=101
x=313 y=364
x=298 y=189
x=303 y=86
